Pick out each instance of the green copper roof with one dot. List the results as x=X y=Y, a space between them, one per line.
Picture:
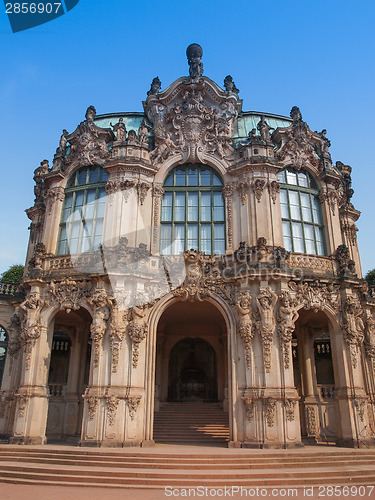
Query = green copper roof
x=245 y=123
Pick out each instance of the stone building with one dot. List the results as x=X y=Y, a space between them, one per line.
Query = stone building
x=193 y=252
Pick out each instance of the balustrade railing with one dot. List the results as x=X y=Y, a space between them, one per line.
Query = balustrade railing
x=8 y=288
x=57 y=390
x=326 y=392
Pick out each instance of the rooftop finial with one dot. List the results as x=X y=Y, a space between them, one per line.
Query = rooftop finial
x=194 y=54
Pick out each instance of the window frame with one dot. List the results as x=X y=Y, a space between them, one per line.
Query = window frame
x=312 y=190
x=215 y=186
x=74 y=188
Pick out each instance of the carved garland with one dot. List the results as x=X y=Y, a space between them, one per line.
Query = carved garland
x=269 y=405
x=250 y=407
x=228 y=193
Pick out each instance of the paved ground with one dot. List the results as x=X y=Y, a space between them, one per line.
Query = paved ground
x=18 y=492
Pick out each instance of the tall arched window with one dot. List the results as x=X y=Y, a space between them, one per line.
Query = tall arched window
x=192 y=213
x=3 y=351
x=82 y=215
x=301 y=213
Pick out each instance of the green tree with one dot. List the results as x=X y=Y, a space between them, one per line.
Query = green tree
x=370 y=277
x=13 y=274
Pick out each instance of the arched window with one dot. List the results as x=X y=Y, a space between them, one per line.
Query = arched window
x=192 y=213
x=82 y=215
x=301 y=213
x=3 y=351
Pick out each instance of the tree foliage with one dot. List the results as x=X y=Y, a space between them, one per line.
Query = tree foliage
x=370 y=277
x=13 y=274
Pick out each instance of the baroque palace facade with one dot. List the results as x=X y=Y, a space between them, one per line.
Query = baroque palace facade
x=193 y=252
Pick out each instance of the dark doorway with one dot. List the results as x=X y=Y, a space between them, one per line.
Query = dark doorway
x=192 y=371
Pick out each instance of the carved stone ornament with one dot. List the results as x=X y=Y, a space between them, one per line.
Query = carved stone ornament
x=269 y=405
x=92 y=405
x=137 y=330
x=157 y=192
x=120 y=130
x=112 y=404
x=124 y=185
x=346 y=192
x=117 y=331
x=258 y=186
x=245 y=323
x=290 y=405
x=274 y=189
x=266 y=323
x=88 y=143
x=228 y=193
x=40 y=188
x=22 y=400
x=242 y=188
x=194 y=55
x=286 y=318
x=360 y=406
x=31 y=324
x=69 y=293
x=312 y=427
x=142 y=189
x=354 y=327
x=193 y=287
x=229 y=85
x=297 y=143
x=133 y=403
x=350 y=232
x=14 y=344
x=192 y=118
x=53 y=195
x=315 y=295
x=99 y=302
x=342 y=256
x=250 y=407
x=332 y=198
x=35 y=265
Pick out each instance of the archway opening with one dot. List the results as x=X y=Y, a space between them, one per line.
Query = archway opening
x=192 y=371
x=191 y=395
x=68 y=374
x=314 y=377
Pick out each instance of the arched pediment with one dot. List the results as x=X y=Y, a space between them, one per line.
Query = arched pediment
x=192 y=118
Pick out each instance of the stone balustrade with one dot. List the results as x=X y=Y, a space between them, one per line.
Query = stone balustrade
x=8 y=288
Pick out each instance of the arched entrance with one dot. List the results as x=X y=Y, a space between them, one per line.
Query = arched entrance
x=192 y=371
x=68 y=374
x=314 y=377
x=191 y=389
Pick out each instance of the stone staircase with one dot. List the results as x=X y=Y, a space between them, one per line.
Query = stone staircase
x=189 y=466
x=195 y=423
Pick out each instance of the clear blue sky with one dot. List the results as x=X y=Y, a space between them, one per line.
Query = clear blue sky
x=318 y=55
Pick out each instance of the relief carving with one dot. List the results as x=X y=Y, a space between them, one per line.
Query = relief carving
x=245 y=330
x=98 y=327
x=112 y=404
x=353 y=326
x=274 y=189
x=250 y=407
x=117 y=331
x=258 y=186
x=133 y=403
x=269 y=405
x=137 y=330
x=69 y=293
x=266 y=323
x=92 y=404
x=290 y=405
x=286 y=317
x=312 y=427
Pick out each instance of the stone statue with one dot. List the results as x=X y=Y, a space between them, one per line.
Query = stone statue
x=230 y=85
x=264 y=129
x=61 y=150
x=286 y=317
x=324 y=143
x=155 y=86
x=243 y=306
x=90 y=114
x=40 y=188
x=266 y=302
x=120 y=130
x=143 y=133
x=295 y=114
x=194 y=54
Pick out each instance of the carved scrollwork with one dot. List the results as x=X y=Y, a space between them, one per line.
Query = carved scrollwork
x=312 y=426
x=290 y=405
x=250 y=408
x=269 y=405
x=133 y=403
x=315 y=295
x=274 y=189
x=360 y=406
x=354 y=327
x=69 y=293
x=242 y=188
x=112 y=404
x=258 y=186
x=92 y=405
x=22 y=400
